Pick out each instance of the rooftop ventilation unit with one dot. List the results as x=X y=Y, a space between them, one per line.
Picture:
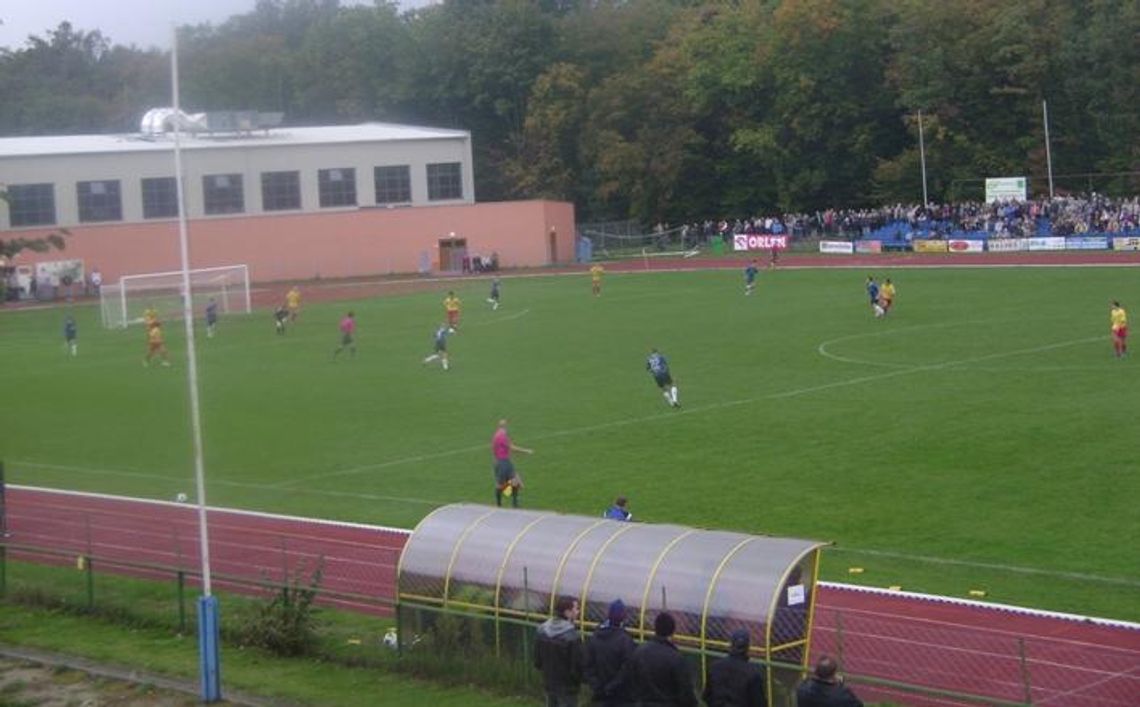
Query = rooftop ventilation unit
x=160 y=121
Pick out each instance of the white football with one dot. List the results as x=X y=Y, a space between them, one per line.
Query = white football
x=181 y=498
x=392 y=639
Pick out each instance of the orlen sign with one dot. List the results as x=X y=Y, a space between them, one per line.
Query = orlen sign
x=754 y=241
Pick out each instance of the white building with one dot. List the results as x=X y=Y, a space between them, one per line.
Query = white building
x=68 y=181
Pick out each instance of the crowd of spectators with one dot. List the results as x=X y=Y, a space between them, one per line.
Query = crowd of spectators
x=1061 y=216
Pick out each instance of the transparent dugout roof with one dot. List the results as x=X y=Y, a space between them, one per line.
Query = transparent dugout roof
x=518 y=562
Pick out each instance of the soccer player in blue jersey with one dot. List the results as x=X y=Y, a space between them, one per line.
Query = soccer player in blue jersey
x=659 y=368
x=70 y=335
x=493 y=300
x=280 y=316
x=440 y=341
x=211 y=318
x=750 y=273
x=873 y=294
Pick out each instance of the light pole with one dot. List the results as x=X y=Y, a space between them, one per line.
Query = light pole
x=208 y=629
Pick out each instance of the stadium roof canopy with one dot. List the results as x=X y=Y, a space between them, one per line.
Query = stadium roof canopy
x=48 y=145
x=514 y=564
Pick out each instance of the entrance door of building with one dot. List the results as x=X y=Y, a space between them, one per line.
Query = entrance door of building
x=552 y=246
x=452 y=251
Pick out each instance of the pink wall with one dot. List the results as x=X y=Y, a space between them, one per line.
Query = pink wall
x=332 y=245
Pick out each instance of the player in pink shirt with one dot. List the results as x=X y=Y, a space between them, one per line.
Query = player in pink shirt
x=347 y=335
x=507 y=481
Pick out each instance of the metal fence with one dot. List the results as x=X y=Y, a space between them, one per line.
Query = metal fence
x=894 y=647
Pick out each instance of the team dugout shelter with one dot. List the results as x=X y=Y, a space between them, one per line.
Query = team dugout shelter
x=511 y=566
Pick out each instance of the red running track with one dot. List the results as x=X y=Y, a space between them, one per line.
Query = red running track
x=927 y=641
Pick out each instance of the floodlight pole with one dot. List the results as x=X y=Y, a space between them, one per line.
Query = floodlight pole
x=922 y=158
x=1048 y=152
x=208 y=629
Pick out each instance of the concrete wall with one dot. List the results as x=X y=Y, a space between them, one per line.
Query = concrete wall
x=334 y=244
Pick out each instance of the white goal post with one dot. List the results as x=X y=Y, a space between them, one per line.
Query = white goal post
x=124 y=302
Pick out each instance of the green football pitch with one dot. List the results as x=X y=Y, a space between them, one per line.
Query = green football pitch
x=982 y=437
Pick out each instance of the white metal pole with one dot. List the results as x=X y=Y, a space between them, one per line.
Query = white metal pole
x=1048 y=153
x=208 y=622
x=188 y=321
x=922 y=157
x=248 y=302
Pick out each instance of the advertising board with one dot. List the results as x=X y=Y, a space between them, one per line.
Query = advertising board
x=1006 y=189
x=836 y=247
x=1005 y=245
x=755 y=241
x=923 y=245
x=1126 y=243
x=1051 y=243
x=957 y=245
x=868 y=246
x=1086 y=243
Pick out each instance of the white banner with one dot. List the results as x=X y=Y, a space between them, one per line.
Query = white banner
x=1127 y=243
x=1006 y=189
x=60 y=272
x=1052 y=243
x=965 y=246
x=755 y=241
x=836 y=247
x=1086 y=243
x=1005 y=245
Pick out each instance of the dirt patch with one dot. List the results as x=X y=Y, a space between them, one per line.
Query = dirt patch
x=24 y=683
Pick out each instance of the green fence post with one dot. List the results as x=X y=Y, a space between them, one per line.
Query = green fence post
x=89 y=568
x=1024 y=671
x=181 y=601
x=526 y=632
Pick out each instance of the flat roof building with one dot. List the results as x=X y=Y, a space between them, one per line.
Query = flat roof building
x=76 y=179
x=289 y=202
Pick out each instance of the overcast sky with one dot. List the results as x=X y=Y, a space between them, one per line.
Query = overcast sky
x=145 y=23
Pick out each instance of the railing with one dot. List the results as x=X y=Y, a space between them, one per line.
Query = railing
x=127 y=557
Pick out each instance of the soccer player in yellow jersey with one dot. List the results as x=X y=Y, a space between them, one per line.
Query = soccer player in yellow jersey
x=596 y=277
x=887 y=296
x=1119 y=320
x=156 y=345
x=293 y=301
x=451 y=305
x=150 y=317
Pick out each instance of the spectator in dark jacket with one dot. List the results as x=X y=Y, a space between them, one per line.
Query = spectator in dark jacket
x=733 y=681
x=558 y=654
x=607 y=652
x=659 y=674
x=826 y=688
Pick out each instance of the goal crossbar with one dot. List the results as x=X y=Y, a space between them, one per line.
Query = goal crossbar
x=123 y=303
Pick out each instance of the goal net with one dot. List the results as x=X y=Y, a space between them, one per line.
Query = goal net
x=124 y=302
x=608 y=244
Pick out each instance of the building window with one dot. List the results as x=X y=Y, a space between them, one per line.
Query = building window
x=160 y=197
x=223 y=194
x=337 y=187
x=280 y=191
x=99 y=201
x=445 y=181
x=393 y=184
x=31 y=204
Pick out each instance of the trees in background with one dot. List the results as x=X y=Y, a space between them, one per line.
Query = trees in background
x=655 y=109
